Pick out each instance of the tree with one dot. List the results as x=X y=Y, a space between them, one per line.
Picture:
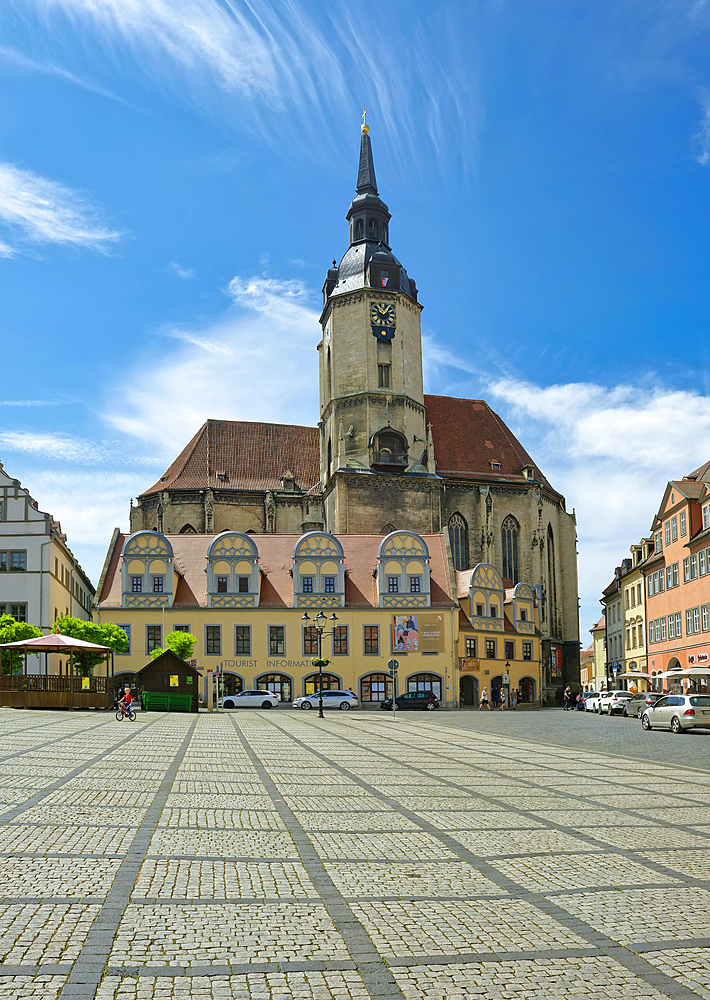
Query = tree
x=103 y=635
x=181 y=643
x=14 y=631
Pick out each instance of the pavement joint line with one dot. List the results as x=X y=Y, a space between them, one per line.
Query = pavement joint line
x=33 y=800
x=371 y=965
x=97 y=947
x=579 y=834
x=67 y=736
x=623 y=955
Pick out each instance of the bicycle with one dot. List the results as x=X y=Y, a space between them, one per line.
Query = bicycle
x=122 y=713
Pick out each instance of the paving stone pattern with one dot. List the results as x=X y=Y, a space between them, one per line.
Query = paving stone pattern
x=272 y=855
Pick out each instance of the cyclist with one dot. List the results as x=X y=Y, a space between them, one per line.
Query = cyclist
x=125 y=703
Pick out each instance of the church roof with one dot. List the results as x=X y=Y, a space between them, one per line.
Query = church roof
x=471 y=440
x=275 y=564
x=244 y=455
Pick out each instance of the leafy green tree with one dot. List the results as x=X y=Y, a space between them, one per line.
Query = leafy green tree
x=103 y=635
x=14 y=631
x=181 y=643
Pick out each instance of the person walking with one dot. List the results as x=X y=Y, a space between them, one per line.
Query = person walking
x=567 y=698
x=484 y=701
x=513 y=700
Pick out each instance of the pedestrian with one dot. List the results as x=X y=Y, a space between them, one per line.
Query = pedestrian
x=567 y=698
x=502 y=699
x=120 y=693
x=512 y=701
x=484 y=701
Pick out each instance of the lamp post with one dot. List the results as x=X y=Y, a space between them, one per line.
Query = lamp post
x=319 y=625
x=507 y=684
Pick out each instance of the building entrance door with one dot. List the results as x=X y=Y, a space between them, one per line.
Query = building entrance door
x=468 y=691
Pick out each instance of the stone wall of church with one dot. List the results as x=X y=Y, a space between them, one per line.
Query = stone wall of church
x=209 y=512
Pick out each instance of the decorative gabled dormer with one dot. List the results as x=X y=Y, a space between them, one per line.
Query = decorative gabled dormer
x=318 y=571
x=147 y=571
x=403 y=571
x=486 y=598
x=523 y=608
x=232 y=571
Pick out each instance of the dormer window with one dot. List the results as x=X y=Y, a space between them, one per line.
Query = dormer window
x=392 y=584
x=415 y=585
x=494 y=611
x=523 y=615
x=243 y=584
x=329 y=584
x=158 y=584
x=479 y=611
x=221 y=584
x=495 y=465
x=137 y=584
x=222 y=477
x=307 y=584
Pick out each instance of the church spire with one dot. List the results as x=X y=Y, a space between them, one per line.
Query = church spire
x=366 y=182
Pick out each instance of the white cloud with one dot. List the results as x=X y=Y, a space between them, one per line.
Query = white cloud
x=31 y=402
x=701 y=139
x=182 y=272
x=257 y=363
x=38 y=210
x=66 y=448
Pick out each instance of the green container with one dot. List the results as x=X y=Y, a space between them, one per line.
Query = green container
x=166 y=701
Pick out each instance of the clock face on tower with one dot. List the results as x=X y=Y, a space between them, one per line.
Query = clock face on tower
x=383 y=320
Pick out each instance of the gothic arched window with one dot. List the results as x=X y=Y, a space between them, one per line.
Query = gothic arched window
x=187 y=530
x=358 y=229
x=373 y=228
x=330 y=457
x=509 y=537
x=458 y=540
x=551 y=583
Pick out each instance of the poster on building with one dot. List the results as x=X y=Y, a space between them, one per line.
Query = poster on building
x=431 y=633
x=174 y=681
x=556 y=661
x=405 y=633
x=85 y=683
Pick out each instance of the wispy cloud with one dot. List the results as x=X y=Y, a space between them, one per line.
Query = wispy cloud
x=293 y=70
x=37 y=210
x=67 y=448
x=182 y=272
x=11 y=56
x=257 y=363
x=701 y=139
x=31 y=402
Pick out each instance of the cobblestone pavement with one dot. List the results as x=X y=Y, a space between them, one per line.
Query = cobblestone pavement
x=274 y=855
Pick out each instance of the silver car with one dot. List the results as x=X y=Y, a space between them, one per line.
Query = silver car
x=613 y=701
x=678 y=712
x=343 y=700
x=249 y=699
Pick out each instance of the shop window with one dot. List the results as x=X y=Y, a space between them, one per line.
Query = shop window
x=425 y=682
x=330 y=683
x=280 y=684
x=375 y=688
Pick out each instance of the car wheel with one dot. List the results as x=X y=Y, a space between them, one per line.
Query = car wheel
x=344 y=706
x=306 y=705
x=266 y=704
x=430 y=706
x=675 y=725
x=228 y=704
x=639 y=713
x=645 y=723
x=625 y=713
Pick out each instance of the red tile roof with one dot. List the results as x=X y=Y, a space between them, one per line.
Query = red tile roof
x=275 y=562
x=250 y=456
x=469 y=436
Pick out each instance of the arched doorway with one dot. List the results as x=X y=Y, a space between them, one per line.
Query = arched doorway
x=673 y=683
x=120 y=680
x=425 y=682
x=280 y=684
x=227 y=684
x=375 y=688
x=330 y=683
x=526 y=687
x=468 y=691
x=496 y=690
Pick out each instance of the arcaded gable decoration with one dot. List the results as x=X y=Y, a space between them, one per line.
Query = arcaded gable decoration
x=318 y=571
x=232 y=571
x=403 y=571
x=486 y=597
x=147 y=571
x=523 y=605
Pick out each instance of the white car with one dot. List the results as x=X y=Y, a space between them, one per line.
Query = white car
x=249 y=699
x=591 y=704
x=343 y=700
x=614 y=701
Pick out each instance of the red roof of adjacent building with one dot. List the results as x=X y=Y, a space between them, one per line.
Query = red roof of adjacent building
x=469 y=439
x=275 y=563
x=244 y=455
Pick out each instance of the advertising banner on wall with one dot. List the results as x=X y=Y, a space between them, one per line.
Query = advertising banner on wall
x=431 y=633
x=405 y=633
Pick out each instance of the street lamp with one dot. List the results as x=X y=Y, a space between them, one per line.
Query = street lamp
x=319 y=624
x=507 y=684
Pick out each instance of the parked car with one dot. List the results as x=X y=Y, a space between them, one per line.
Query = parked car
x=249 y=699
x=343 y=700
x=613 y=701
x=639 y=703
x=593 y=700
x=678 y=712
x=586 y=698
x=412 y=700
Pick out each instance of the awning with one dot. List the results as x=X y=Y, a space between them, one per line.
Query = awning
x=634 y=673
x=690 y=672
x=55 y=642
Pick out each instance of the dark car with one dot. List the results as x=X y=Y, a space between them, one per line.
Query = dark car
x=637 y=705
x=424 y=700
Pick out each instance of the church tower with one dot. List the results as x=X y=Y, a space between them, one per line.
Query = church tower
x=372 y=415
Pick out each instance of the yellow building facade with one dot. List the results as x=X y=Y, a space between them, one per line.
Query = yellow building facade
x=499 y=639
x=243 y=597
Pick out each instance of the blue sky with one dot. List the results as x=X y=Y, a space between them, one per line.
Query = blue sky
x=174 y=176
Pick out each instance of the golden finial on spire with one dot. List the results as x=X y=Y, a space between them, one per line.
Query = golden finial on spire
x=364 y=127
